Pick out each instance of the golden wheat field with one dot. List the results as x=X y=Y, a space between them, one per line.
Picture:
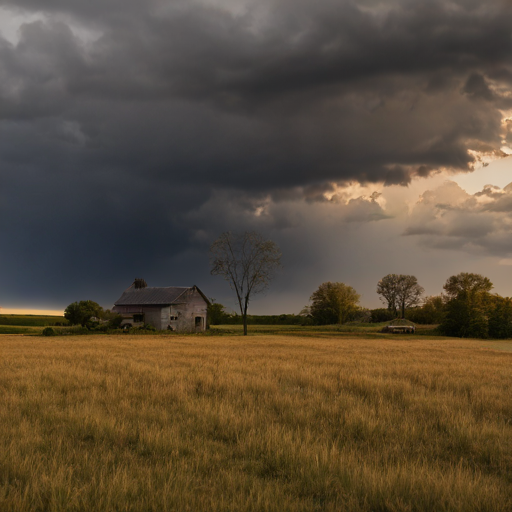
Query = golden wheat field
x=262 y=423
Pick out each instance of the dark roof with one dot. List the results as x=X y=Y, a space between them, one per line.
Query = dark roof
x=151 y=296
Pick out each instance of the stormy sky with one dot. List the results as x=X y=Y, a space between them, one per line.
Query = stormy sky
x=358 y=135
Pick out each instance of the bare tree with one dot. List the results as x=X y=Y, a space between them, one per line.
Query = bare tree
x=400 y=291
x=248 y=262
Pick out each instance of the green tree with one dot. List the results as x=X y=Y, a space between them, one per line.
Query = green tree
x=433 y=309
x=80 y=313
x=216 y=313
x=466 y=316
x=382 y=315
x=466 y=282
x=430 y=312
x=334 y=303
x=467 y=306
x=387 y=289
x=248 y=262
x=500 y=317
x=400 y=292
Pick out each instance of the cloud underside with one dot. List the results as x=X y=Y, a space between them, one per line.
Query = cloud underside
x=280 y=94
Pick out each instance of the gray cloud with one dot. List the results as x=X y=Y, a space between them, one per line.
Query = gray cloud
x=134 y=130
x=476 y=87
x=318 y=93
x=450 y=218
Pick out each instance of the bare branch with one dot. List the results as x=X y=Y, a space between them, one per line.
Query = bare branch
x=248 y=262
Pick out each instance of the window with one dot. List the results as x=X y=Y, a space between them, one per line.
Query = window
x=138 y=318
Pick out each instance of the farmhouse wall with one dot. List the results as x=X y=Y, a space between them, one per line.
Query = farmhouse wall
x=153 y=316
x=165 y=317
x=181 y=309
x=192 y=312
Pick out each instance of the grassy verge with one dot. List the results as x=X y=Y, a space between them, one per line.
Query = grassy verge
x=17 y=329
x=351 y=329
x=287 y=329
x=34 y=324
x=269 y=422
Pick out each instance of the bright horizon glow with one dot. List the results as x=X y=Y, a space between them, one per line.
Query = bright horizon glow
x=498 y=173
x=16 y=311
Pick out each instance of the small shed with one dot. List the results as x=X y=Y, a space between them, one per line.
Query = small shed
x=400 y=326
x=175 y=308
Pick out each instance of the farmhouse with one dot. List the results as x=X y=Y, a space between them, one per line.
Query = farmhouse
x=174 y=307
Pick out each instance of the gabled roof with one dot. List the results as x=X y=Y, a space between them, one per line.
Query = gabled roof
x=154 y=296
x=147 y=296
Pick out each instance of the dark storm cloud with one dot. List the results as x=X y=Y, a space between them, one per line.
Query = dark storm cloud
x=316 y=93
x=121 y=119
x=477 y=87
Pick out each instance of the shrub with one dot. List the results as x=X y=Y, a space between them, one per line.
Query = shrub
x=362 y=315
x=113 y=319
x=48 y=331
x=382 y=315
x=431 y=312
x=146 y=327
x=216 y=313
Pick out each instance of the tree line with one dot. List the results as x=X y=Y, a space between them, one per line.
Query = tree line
x=466 y=308
x=248 y=261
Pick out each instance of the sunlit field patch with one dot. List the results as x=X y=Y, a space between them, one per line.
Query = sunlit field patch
x=267 y=422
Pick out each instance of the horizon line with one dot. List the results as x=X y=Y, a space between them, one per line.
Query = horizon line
x=28 y=311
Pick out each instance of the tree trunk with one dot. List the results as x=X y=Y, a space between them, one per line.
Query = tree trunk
x=245 y=318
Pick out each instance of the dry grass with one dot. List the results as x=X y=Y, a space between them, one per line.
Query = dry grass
x=262 y=423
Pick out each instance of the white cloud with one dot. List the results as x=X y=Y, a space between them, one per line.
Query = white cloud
x=498 y=173
x=450 y=217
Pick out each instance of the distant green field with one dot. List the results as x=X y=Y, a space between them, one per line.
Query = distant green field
x=353 y=328
x=34 y=324
x=310 y=328
x=32 y=320
x=19 y=329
